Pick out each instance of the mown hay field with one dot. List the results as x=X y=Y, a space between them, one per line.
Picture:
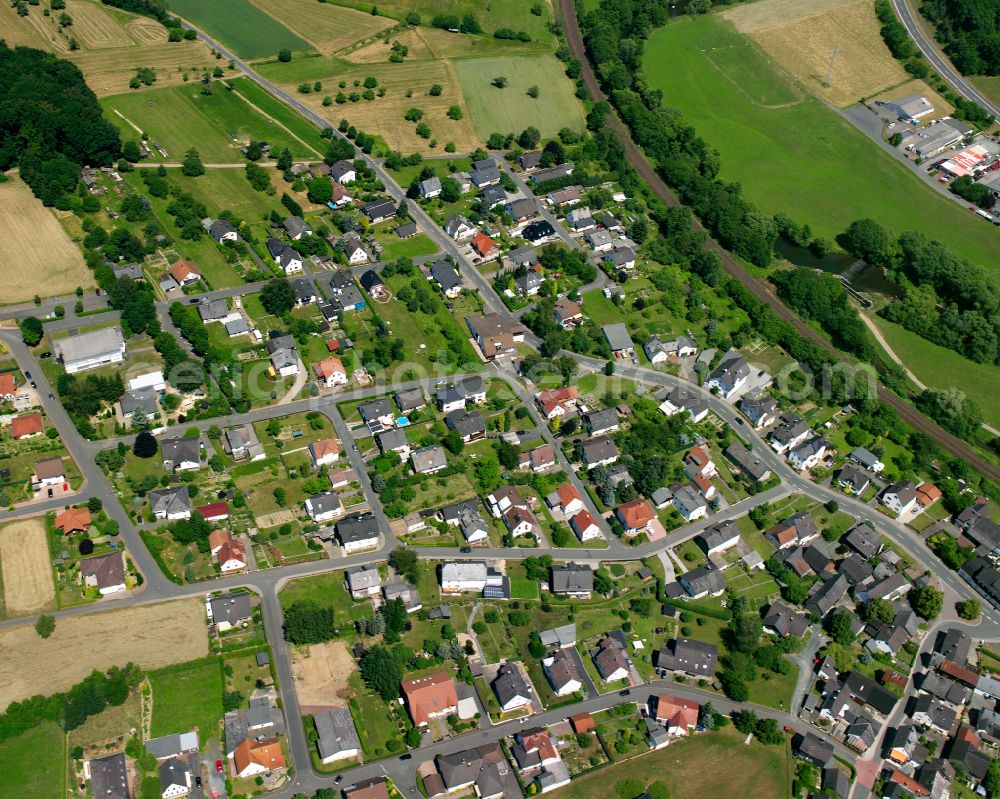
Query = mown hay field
x=833 y=49
x=326 y=26
x=151 y=636
x=27 y=567
x=36 y=254
x=240 y=25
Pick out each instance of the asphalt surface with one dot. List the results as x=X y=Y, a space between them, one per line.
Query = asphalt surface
x=916 y=27
x=268 y=583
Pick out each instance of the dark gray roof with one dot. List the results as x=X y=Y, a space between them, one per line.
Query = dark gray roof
x=747 y=461
x=375 y=409
x=599 y=449
x=109 y=777
x=864 y=540
x=815 y=748
x=392 y=439
x=510 y=683
x=690 y=656
x=357 y=528
x=336 y=732
x=410 y=400
x=467 y=424
x=618 y=337
x=231 y=608
x=173 y=772
x=428 y=458
x=599 y=421
x=702 y=579
x=169 y=500
x=572 y=578
x=445 y=275
x=828 y=595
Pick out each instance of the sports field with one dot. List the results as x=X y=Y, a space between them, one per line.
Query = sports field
x=689 y=767
x=326 y=26
x=938 y=367
x=36 y=255
x=26 y=567
x=240 y=25
x=150 y=636
x=181 y=117
x=511 y=109
x=833 y=47
x=801 y=159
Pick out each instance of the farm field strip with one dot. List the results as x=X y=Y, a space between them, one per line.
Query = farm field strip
x=327 y=26
x=252 y=33
x=27 y=567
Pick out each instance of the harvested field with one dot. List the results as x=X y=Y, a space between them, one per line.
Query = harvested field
x=384 y=115
x=146 y=31
x=377 y=52
x=326 y=26
x=36 y=255
x=834 y=49
x=151 y=636
x=27 y=568
x=321 y=675
x=94 y=28
x=768 y=13
x=109 y=71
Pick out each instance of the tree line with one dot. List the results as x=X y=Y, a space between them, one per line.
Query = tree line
x=51 y=126
x=969 y=30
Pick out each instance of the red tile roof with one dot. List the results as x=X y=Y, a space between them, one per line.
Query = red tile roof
x=583 y=520
x=328 y=367
x=635 y=514
x=214 y=510
x=183 y=269
x=677 y=712
x=26 y=425
x=430 y=696
x=567 y=493
x=7 y=385
x=73 y=519
x=265 y=753
x=483 y=244
x=927 y=494
x=582 y=722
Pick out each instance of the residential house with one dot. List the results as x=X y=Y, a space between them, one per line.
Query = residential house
x=602 y=422
x=781 y=621
x=283 y=354
x=572 y=579
x=791 y=432
x=512 y=688
x=809 y=453
x=184 y=273
x=695 y=658
x=242 y=443
x=555 y=402
x=181 y=453
x=430 y=697
x=363 y=582
x=927 y=495
x=484 y=246
x=703 y=581
x=636 y=516
x=566 y=499
x=169 y=746
x=761 y=411
x=528 y=284
x=428 y=460
x=729 y=377
x=109 y=778
x=933 y=714
x=900 y=497
x=798 y=529
x=538 y=459
x=72 y=520
x=296 y=227
x=106 y=573
x=690 y=504
x=324 y=452
x=609 y=658
x=459 y=228
x=866 y=460
x=170 y=503
x=175 y=778
x=324 y=507
x=377 y=412
x=372 y=283
x=48 y=472
x=678 y=715
x=379 y=210
x=598 y=240
x=258 y=756
x=828 y=595
x=620 y=257
x=863 y=539
x=84 y=351
x=354 y=249
x=394 y=440
x=495 y=335
x=563 y=673
x=599 y=452
x=330 y=372
x=336 y=737
x=463 y=576
x=470 y=426
x=231 y=610
x=430 y=188
x=568 y=314
x=343 y=172
x=410 y=400
x=718 y=538
x=619 y=340
x=814 y=749
x=585 y=526
x=747 y=461
x=853 y=479
x=358 y=533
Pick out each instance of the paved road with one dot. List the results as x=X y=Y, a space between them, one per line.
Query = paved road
x=916 y=27
x=735 y=269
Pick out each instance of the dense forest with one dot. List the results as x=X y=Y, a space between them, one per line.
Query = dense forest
x=50 y=122
x=969 y=31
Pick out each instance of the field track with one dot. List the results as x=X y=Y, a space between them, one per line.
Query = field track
x=911 y=415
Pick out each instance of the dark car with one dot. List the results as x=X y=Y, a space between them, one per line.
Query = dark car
x=197 y=780
x=337 y=779
x=193 y=300
x=45 y=355
x=52 y=396
x=406 y=757
x=34 y=384
x=28 y=375
x=626 y=692
x=465 y=550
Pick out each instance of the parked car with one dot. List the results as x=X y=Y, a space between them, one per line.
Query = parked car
x=218 y=766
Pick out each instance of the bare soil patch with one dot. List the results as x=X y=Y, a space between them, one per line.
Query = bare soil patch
x=834 y=49
x=36 y=254
x=151 y=636
x=321 y=675
x=27 y=568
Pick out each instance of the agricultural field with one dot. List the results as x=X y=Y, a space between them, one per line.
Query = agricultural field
x=33 y=244
x=241 y=25
x=111 y=44
x=34 y=764
x=188 y=696
x=689 y=768
x=511 y=109
x=326 y=26
x=833 y=47
x=26 y=567
x=938 y=367
x=515 y=14
x=181 y=117
x=151 y=636
x=800 y=158
x=384 y=115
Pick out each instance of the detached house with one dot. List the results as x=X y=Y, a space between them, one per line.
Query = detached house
x=324 y=452
x=796 y=530
x=900 y=497
x=635 y=516
x=182 y=453
x=358 y=533
x=170 y=503
x=729 y=377
x=585 y=525
x=568 y=314
x=555 y=402
x=447 y=278
x=459 y=228
x=184 y=273
x=330 y=372
x=324 y=507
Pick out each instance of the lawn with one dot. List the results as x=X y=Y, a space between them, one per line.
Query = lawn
x=240 y=25
x=34 y=764
x=412 y=247
x=227 y=189
x=511 y=109
x=690 y=769
x=188 y=696
x=300 y=127
x=323 y=590
x=800 y=158
x=939 y=367
x=181 y=117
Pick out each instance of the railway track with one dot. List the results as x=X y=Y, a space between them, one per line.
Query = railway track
x=734 y=269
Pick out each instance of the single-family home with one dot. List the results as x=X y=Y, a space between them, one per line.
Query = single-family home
x=900 y=497
x=512 y=688
x=170 y=503
x=636 y=516
x=695 y=658
x=866 y=460
x=358 y=533
x=258 y=756
x=184 y=272
x=330 y=372
x=568 y=314
x=609 y=658
x=809 y=453
x=324 y=452
x=495 y=335
x=324 y=507
x=601 y=422
x=761 y=411
x=572 y=579
x=106 y=573
x=563 y=673
x=181 y=453
x=690 y=503
x=447 y=278
x=599 y=452
x=718 y=538
x=729 y=377
x=703 y=581
x=554 y=402
x=428 y=460
x=585 y=525
x=343 y=172
x=619 y=340
x=430 y=188
x=430 y=697
x=463 y=576
x=459 y=228
x=175 y=778
x=336 y=737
